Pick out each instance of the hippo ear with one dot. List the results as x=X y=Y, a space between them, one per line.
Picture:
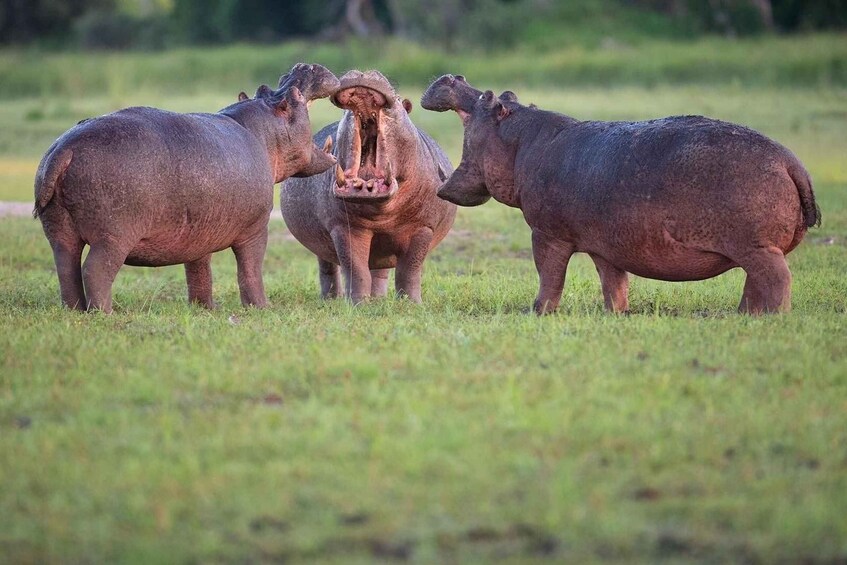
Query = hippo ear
x=488 y=98
x=264 y=91
x=508 y=96
x=242 y=96
x=407 y=105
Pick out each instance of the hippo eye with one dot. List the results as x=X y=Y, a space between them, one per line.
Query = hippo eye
x=480 y=96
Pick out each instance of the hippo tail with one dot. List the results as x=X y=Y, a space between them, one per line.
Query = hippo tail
x=49 y=177
x=811 y=210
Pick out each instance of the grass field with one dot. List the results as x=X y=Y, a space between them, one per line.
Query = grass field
x=462 y=430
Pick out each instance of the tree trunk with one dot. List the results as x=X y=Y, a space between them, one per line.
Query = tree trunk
x=765 y=10
x=356 y=16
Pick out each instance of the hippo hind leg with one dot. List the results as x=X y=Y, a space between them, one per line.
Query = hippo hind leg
x=329 y=275
x=99 y=271
x=379 y=283
x=615 y=285
x=768 y=285
x=198 y=276
x=68 y=258
x=67 y=253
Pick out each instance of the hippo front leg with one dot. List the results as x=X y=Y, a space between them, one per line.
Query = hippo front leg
x=615 y=285
x=249 y=256
x=551 y=260
x=198 y=275
x=352 y=247
x=410 y=265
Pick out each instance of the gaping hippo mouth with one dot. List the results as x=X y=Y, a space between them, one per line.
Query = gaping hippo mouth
x=368 y=176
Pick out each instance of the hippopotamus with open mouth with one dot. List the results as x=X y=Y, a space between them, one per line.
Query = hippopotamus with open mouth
x=378 y=208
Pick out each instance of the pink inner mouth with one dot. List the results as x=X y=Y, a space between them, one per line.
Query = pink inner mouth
x=370 y=173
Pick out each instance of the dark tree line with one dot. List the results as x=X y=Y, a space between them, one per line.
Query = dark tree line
x=157 y=23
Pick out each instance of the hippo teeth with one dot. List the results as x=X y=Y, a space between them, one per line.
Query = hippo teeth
x=339 y=176
x=389 y=174
x=328 y=144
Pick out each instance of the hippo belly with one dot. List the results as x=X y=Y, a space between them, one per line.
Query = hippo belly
x=652 y=248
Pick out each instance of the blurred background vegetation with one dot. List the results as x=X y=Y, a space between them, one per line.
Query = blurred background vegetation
x=159 y=24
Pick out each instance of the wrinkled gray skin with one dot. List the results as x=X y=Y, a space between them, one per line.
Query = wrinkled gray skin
x=378 y=210
x=147 y=187
x=675 y=199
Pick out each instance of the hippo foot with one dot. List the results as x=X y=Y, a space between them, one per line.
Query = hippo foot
x=544 y=308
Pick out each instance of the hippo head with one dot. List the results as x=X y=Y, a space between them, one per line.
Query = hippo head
x=375 y=138
x=313 y=81
x=280 y=118
x=487 y=167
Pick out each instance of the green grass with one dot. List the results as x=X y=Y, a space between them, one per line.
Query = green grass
x=462 y=430
x=815 y=60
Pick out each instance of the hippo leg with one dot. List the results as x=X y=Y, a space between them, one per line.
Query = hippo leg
x=551 y=261
x=768 y=285
x=750 y=296
x=68 y=266
x=330 y=279
x=379 y=283
x=615 y=285
x=410 y=265
x=99 y=271
x=353 y=249
x=198 y=275
x=67 y=253
x=249 y=256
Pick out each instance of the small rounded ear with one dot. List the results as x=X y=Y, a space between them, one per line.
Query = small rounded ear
x=264 y=91
x=509 y=96
x=242 y=96
x=487 y=97
x=407 y=105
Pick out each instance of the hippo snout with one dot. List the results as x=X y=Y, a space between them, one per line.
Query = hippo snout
x=463 y=196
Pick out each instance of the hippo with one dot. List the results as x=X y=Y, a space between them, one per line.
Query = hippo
x=378 y=209
x=676 y=199
x=147 y=187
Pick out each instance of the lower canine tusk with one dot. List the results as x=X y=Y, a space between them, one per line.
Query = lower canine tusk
x=339 y=175
x=389 y=174
x=328 y=144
